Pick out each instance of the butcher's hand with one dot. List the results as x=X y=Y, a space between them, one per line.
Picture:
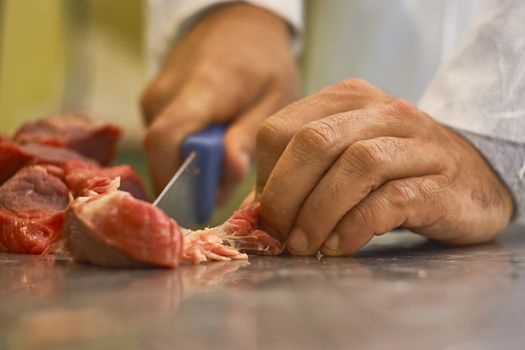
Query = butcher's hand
x=351 y=162
x=234 y=66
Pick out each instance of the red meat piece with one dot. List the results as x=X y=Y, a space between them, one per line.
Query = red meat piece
x=117 y=230
x=238 y=234
x=73 y=131
x=83 y=177
x=114 y=229
x=242 y=225
x=13 y=157
x=32 y=207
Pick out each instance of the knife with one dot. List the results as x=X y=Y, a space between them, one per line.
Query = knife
x=190 y=196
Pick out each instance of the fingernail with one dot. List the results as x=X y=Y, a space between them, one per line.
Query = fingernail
x=332 y=243
x=297 y=240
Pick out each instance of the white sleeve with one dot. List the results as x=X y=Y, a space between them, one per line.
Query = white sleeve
x=166 y=20
x=480 y=92
x=481 y=89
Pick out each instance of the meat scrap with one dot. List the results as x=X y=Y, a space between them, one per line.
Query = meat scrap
x=238 y=234
x=116 y=230
x=73 y=131
x=81 y=178
x=32 y=208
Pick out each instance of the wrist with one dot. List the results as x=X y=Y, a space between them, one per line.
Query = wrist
x=241 y=14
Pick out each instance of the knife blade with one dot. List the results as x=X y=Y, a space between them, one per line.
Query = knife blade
x=190 y=196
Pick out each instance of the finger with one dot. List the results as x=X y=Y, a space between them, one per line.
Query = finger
x=315 y=148
x=239 y=140
x=180 y=69
x=362 y=168
x=411 y=202
x=275 y=134
x=202 y=102
x=159 y=93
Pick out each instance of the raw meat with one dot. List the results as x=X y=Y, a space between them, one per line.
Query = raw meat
x=32 y=208
x=73 y=131
x=114 y=229
x=14 y=157
x=248 y=237
x=82 y=177
x=110 y=223
x=239 y=232
x=43 y=154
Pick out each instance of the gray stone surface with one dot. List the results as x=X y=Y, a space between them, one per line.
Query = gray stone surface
x=401 y=292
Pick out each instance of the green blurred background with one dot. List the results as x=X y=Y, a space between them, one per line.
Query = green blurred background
x=78 y=55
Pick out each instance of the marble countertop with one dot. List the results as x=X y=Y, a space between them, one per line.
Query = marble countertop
x=401 y=292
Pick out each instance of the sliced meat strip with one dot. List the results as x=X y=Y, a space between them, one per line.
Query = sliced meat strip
x=14 y=157
x=74 y=131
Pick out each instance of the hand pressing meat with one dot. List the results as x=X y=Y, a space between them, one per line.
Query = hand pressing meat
x=111 y=228
x=351 y=162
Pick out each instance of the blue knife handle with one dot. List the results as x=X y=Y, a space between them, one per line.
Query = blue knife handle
x=209 y=146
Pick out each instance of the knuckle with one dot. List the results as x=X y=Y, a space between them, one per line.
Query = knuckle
x=154 y=96
x=317 y=137
x=349 y=87
x=352 y=84
x=204 y=71
x=433 y=188
x=273 y=131
x=402 y=192
x=237 y=67
x=362 y=216
x=364 y=156
x=402 y=108
x=208 y=74
x=153 y=134
x=158 y=133
x=150 y=139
